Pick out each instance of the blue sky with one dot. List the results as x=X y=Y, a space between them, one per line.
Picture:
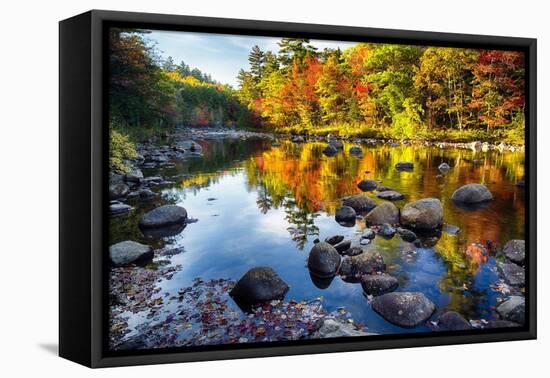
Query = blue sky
x=220 y=55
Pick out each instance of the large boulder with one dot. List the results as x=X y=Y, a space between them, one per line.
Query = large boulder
x=404 y=166
x=323 y=260
x=386 y=212
x=359 y=203
x=163 y=216
x=452 y=321
x=513 y=309
x=367 y=185
x=345 y=214
x=513 y=274
x=423 y=215
x=405 y=309
x=129 y=252
x=514 y=251
x=368 y=262
x=260 y=284
x=378 y=284
x=472 y=194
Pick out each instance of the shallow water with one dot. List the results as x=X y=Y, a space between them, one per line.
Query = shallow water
x=259 y=205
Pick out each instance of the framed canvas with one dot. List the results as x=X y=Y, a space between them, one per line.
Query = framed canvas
x=235 y=188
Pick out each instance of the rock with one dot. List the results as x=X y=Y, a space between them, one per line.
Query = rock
x=356 y=151
x=359 y=203
x=119 y=208
x=367 y=185
x=368 y=234
x=332 y=240
x=330 y=150
x=386 y=230
x=342 y=246
x=383 y=189
x=189 y=145
x=118 y=190
x=365 y=241
x=163 y=216
x=368 y=262
x=514 y=251
x=472 y=194
x=405 y=309
x=386 y=212
x=513 y=309
x=378 y=284
x=513 y=274
x=501 y=324
x=444 y=167
x=452 y=321
x=345 y=214
x=404 y=166
x=353 y=251
x=423 y=215
x=133 y=176
x=260 y=284
x=336 y=143
x=129 y=252
x=316 y=240
x=450 y=229
x=390 y=195
x=331 y=327
x=323 y=260
x=406 y=235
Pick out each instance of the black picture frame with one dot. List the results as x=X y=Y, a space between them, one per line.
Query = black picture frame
x=83 y=192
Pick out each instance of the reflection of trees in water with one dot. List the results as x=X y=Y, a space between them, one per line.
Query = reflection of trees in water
x=302 y=221
x=264 y=201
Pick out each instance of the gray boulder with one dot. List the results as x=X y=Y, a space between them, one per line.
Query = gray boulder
x=133 y=176
x=345 y=214
x=163 y=216
x=368 y=234
x=368 y=262
x=406 y=235
x=405 y=309
x=386 y=230
x=472 y=194
x=390 y=195
x=335 y=239
x=260 y=284
x=118 y=190
x=513 y=309
x=404 y=166
x=452 y=321
x=323 y=260
x=378 y=284
x=359 y=203
x=119 y=208
x=423 y=215
x=342 y=246
x=129 y=252
x=514 y=251
x=367 y=185
x=386 y=212
x=513 y=274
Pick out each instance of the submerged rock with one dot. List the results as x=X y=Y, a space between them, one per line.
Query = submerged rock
x=404 y=166
x=368 y=262
x=359 y=203
x=118 y=190
x=386 y=230
x=514 y=251
x=336 y=143
x=368 y=234
x=367 y=185
x=323 y=260
x=472 y=194
x=260 y=284
x=390 y=195
x=119 y=208
x=423 y=215
x=452 y=321
x=163 y=216
x=513 y=309
x=129 y=252
x=332 y=240
x=331 y=327
x=513 y=274
x=405 y=309
x=378 y=284
x=330 y=150
x=134 y=176
x=342 y=246
x=345 y=214
x=356 y=151
x=451 y=229
x=406 y=235
x=386 y=212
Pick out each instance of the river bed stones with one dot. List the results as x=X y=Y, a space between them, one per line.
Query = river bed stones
x=378 y=284
x=513 y=274
x=452 y=321
x=404 y=166
x=513 y=309
x=118 y=190
x=164 y=216
x=423 y=215
x=472 y=194
x=345 y=214
x=405 y=309
x=335 y=239
x=133 y=176
x=258 y=285
x=390 y=195
x=359 y=203
x=386 y=212
x=330 y=150
x=386 y=230
x=119 y=208
x=323 y=260
x=406 y=235
x=331 y=327
x=342 y=246
x=443 y=168
x=368 y=262
x=514 y=250
x=129 y=252
x=368 y=234
x=355 y=150
x=367 y=185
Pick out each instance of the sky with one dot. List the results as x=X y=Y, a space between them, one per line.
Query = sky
x=220 y=55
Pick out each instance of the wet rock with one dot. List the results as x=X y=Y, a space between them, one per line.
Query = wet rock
x=330 y=150
x=189 y=145
x=514 y=251
x=119 y=208
x=356 y=151
x=323 y=260
x=501 y=324
x=118 y=190
x=452 y=321
x=444 y=167
x=472 y=194
x=331 y=327
x=332 y=240
x=359 y=203
x=368 y=234
x=133 y=176
x=513 y=274
x=345 y=214
x=404 y=166
x=386 y=212
x=406 y=235
x=384 y=189
x=405 y=309
x=368 y=262
x=146 y=194
x=163 y=216
x=422 y=215
x=336 y=143
x=513 y=309
x=165 y=231
x=129 y=252
x=367 y=185
x=316 y=240
x=450 y=229
x=342 y=246
x=378 y=284
x=390 y=195
x=260 y=284
x=353 y=251
x=386 y=230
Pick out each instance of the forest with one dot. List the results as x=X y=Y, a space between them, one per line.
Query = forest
x=375 y=90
